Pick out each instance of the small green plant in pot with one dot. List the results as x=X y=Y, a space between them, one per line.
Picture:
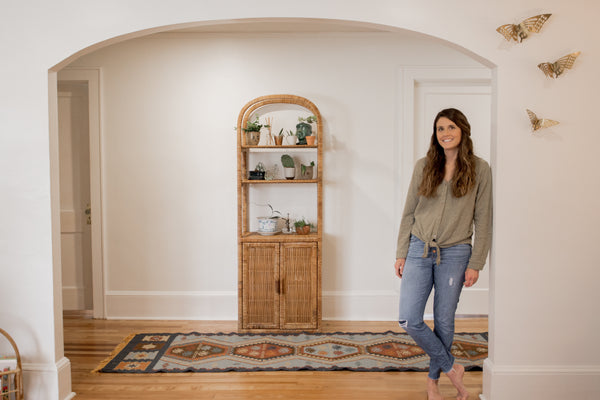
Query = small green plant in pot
x=290 y=138
x=289 y=168
x=302 y=226
x=279 y=138
x=252 y=130
x=308 y=128
x=306 y=171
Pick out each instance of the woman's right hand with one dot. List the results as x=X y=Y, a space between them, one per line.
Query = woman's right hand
x=399 y=266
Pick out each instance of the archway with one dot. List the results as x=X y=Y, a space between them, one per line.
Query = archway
x=216 y=24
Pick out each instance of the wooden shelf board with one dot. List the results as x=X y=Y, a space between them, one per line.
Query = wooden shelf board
x=280 y=181
x=279 y=237
x=280 y=149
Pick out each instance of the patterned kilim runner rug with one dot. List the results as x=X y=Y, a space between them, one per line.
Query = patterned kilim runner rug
x=221 y=352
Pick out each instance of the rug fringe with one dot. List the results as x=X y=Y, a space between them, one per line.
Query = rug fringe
x=114 y=353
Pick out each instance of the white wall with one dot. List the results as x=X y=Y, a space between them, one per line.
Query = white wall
x=169 y=163
x=543 y=275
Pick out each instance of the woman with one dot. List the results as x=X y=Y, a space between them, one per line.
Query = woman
x=450 y=194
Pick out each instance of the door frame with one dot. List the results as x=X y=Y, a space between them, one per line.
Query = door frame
x=409 y=124
x=92 y=76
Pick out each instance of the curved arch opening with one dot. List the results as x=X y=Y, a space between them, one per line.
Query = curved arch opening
x=344 y=145
x=273 y=25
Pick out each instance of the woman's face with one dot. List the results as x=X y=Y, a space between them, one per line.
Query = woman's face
x=448 y=134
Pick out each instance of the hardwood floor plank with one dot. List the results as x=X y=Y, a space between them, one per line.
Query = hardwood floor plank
x=88 y=342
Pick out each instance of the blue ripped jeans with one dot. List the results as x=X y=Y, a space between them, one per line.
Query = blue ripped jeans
x=419 y=277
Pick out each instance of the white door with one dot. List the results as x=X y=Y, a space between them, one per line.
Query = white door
x=425 y=92
x=75 y=218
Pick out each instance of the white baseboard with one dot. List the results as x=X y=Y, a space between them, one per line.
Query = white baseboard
x=548 y=382
x=215 y=306
x=377 y=305
x=383 y=305
x=63 y=367
x=44 y=380
x=360 y=305
x=73 y=298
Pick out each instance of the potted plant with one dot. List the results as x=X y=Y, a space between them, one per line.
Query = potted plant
x=302 y=226
x=268 y=225
x=289 y=170
x=290 y=138
x=304 y=129
x=306 y=171
x=252 y=131
x=258 y=174
x=279 y=138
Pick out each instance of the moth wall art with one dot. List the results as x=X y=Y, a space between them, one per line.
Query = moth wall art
x=539 y=123
x=518 y=32
x=556 y=68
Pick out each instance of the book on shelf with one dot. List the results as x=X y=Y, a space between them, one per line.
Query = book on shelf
x=8 y=387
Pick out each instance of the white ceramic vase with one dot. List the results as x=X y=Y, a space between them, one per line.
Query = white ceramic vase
x=289 y=173
x=289 y=140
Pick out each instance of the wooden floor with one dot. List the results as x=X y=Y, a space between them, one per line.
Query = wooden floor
x=89 y=341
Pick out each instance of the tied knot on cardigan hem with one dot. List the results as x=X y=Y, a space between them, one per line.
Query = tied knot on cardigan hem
x=435 y=246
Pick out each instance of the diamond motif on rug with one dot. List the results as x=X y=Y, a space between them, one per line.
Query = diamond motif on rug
x=196 y=351
x=263 y=351
x=221 y=352
x=330 y=350
x=396 y=349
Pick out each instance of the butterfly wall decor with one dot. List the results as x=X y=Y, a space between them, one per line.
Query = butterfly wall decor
x=539 y=123
x=556 y=68
x=518 y=32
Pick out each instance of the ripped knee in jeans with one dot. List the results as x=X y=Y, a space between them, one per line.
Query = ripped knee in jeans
x=403 y=323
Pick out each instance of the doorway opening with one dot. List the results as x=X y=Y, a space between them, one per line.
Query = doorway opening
x=78 y=109
x=75 y=203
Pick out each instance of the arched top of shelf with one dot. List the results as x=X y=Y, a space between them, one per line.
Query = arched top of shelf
x=262 y=101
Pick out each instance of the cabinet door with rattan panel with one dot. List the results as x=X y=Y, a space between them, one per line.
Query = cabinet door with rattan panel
x=299 y=286
x=261 y=286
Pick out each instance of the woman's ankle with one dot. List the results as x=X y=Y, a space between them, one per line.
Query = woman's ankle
x=456 y=375
x=433 y=391
x=431 y=381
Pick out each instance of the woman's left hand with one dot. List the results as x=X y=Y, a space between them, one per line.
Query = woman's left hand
x=471 y=277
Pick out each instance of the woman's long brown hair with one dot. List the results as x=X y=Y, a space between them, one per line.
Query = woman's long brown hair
x=464 y=175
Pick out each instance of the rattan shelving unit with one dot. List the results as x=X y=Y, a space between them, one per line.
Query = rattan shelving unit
x=13 y=378
x=279 y=276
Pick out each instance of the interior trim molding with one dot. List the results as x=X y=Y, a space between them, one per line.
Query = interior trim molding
x=171 y=305
x=544 y=381
x=93 y=76
x=351 y=305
